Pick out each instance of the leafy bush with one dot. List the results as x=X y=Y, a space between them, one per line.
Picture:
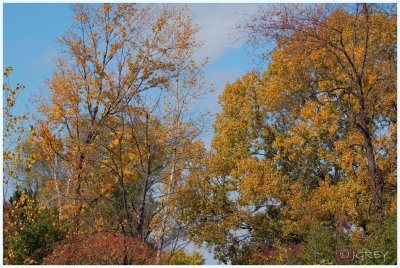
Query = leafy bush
x=30 y=230
x=101 y=249
x=380 y=244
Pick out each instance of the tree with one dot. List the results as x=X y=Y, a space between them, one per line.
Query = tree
x=117 y=129
x=310 y=142
x=351 y=55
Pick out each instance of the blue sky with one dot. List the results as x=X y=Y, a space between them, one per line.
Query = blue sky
x=29 y=46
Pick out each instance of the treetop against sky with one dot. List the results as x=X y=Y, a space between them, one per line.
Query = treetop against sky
x=31 y=32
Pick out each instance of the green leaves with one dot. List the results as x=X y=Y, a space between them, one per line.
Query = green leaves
x=30 y=230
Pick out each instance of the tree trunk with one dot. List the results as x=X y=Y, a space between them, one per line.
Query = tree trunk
x=164 y=217
x=376 y=177
x=57 y=188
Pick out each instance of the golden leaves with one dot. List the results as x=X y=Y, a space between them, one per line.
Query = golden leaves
x=13 y=129
x=290 y=139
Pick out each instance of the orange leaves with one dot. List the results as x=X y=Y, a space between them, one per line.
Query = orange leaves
x=258 y=180
x=296 y=138
x=350 y=151
x=345 y=198
x=240 y=105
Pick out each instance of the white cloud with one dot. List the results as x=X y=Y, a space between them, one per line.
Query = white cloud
x=217 y=23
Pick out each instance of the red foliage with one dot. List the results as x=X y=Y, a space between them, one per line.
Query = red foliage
x=263 y=254
x=102 y=249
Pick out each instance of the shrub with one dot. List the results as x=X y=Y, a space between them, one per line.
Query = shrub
x=30 y=231
x=184 y=258
x=102 y=249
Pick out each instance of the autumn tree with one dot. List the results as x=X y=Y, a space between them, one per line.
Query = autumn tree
x=307 y=147
x=118 y=130
x=352 y=56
